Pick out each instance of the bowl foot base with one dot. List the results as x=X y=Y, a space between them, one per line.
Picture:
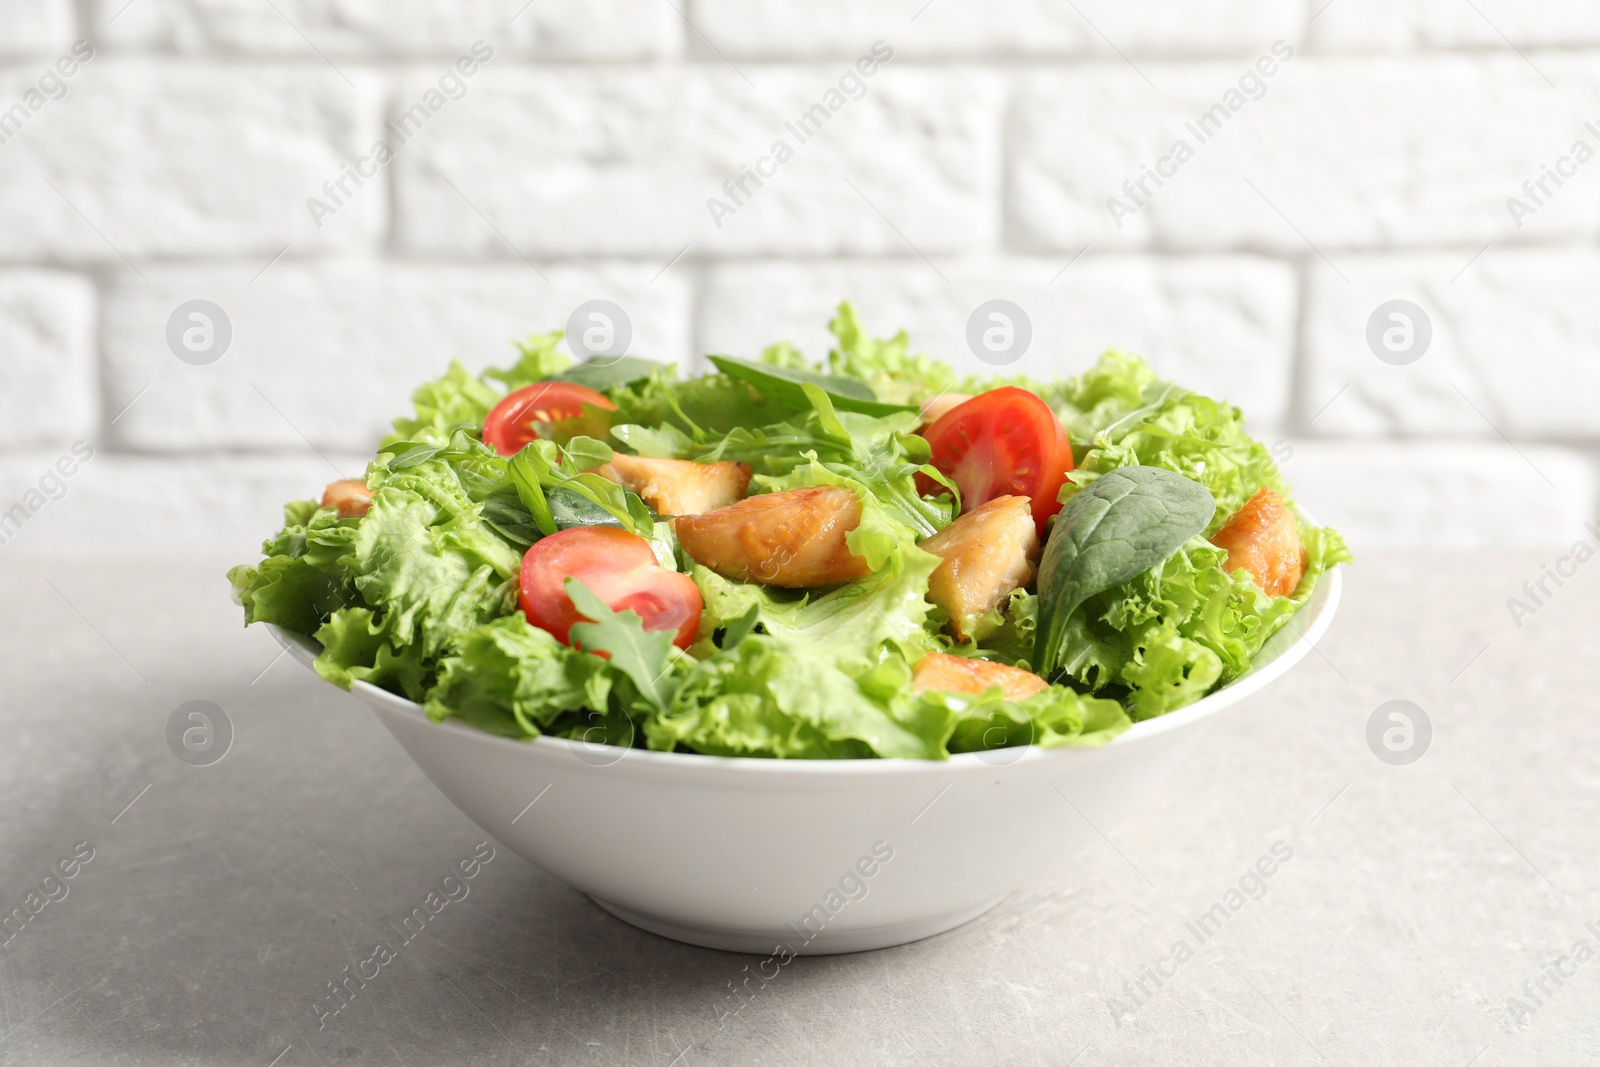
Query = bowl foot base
x=826 y=943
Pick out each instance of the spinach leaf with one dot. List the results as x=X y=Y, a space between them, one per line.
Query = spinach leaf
x=570 y=509
x=604 y=372
x=511 y=519
x=786 y=386
x=1127 y=521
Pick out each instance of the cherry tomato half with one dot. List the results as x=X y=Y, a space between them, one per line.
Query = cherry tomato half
x=620 y=568
x=521 y=416
x=1006 y=442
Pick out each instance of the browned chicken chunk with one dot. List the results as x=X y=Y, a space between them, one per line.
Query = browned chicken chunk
x=350 y=495
x=987 y=553
x=956 y=674
x=1264 y=539
x=794 y=539
x=679 y=486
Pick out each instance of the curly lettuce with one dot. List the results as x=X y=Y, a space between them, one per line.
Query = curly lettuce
x=420 y=594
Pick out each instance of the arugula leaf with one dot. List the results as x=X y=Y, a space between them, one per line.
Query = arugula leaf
x=1124 y=523
x=603 y=372
x=785 y=385
x=643 y=655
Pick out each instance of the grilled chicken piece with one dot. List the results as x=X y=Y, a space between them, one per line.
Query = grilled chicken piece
x=935 y=406
x=957 y=674
x=1264 y=539
x=987 y=553
x=678 y=486
x=794 y=539
x=350 y=495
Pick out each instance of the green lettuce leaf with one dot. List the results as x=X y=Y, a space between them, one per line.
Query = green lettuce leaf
x=515 y=680
x=764 y=698
x=894 y=374
x=850 y=625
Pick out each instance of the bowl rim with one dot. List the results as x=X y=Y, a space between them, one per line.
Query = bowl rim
x=1321 y=608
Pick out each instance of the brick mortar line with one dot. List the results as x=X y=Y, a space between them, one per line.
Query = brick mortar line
x=1000 y=62
x=973 y=256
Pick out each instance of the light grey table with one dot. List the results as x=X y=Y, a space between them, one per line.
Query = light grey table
x=220 y=900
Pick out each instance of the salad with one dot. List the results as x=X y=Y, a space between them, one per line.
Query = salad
x=869 y=557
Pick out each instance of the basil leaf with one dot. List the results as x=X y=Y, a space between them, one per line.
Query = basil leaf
x=785 y=386
x=603 y=372
x=1127 y=521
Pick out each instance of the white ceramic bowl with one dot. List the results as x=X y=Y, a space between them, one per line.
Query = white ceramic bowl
x=806 y=856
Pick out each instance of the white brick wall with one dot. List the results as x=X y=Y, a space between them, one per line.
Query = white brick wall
x=366 y=29
x=1335 y=154
x=1403 y=25
x=573 y=162
x=154 y=159
x=1372 y=164
x=330 y=351
x=996 y=30
x=47 y=359
x=33 y=26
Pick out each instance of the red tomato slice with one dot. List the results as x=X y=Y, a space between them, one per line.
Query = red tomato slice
x=518 y=418
x=1006 y=442
x=620 y=568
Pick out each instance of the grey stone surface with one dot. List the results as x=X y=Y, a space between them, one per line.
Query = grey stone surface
x=1417 y=901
